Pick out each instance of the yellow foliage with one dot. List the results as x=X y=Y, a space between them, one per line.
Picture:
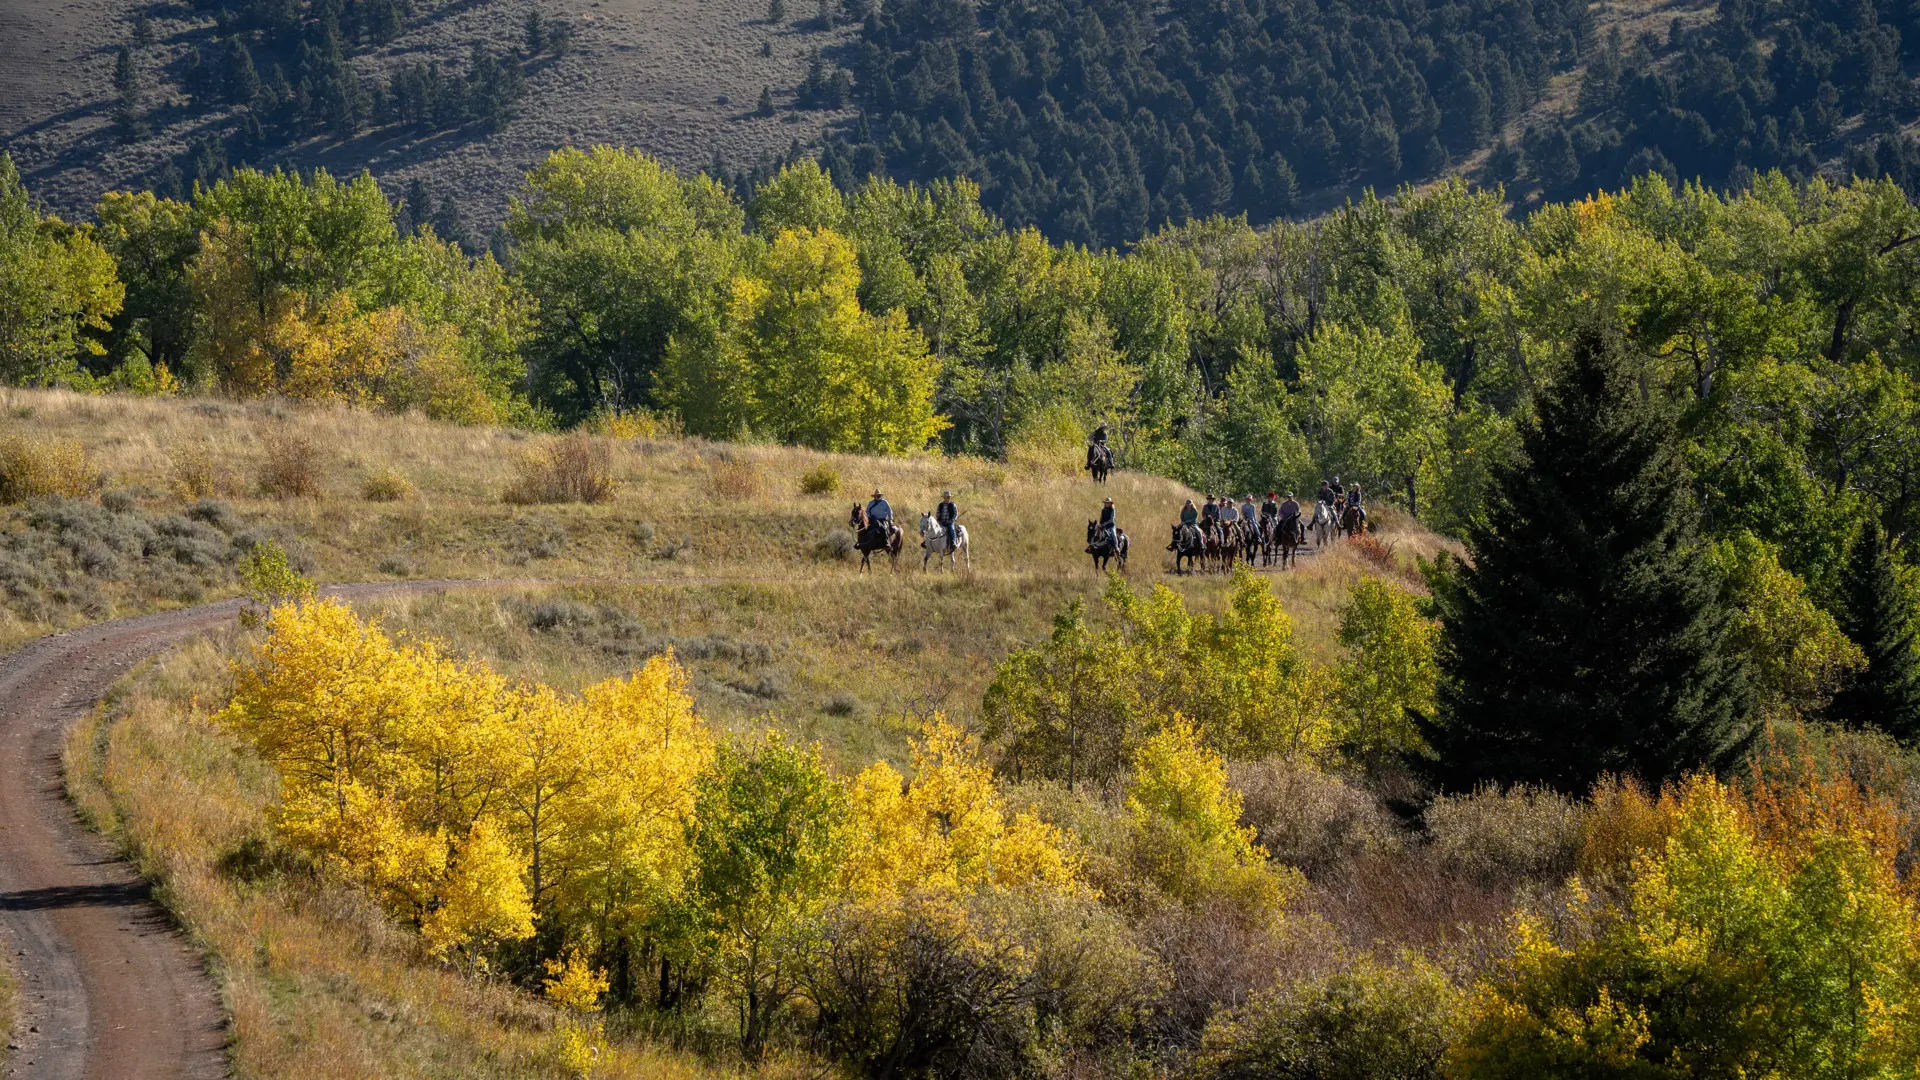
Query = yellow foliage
x=483 y=899
x=575 y=984
x=471 y=805
x=947 y=829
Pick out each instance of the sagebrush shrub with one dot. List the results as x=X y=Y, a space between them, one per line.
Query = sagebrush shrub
x=291 y=467
x=1309 y=819
x=822 y=479
x=38 y=468
x=576 y=468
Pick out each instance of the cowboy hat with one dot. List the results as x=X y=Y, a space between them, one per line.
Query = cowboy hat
x=876 y=493
x=946 y=494
x=1109 y=502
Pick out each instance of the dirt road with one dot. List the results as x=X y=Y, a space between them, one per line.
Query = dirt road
x=109 y=988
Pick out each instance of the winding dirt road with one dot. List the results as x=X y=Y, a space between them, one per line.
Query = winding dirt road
x=109 y=988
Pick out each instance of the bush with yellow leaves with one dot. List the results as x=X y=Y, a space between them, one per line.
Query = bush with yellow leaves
x=37 y=468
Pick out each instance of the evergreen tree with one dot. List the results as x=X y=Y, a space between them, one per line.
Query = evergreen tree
x=536 y=33
x=142 y=31
x=1878 y=615
x=1588 y=636
x=765 y=107
x=242 y=81
x=126 y=81
x=776 y=11
x=419 y=205
x=448 y=225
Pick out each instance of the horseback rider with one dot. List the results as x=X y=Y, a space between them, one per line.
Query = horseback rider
x=946 y=514
x=880 y=513
x=1100 y=436
x=1246 y=510
x=1325 y=494
x=1228 y=513
x=1290 y=510
x=1353 y=496
x=1209 y=516
x=1188 y=515
x=1269 y=511
x=1109 y=524
x=1337 y=489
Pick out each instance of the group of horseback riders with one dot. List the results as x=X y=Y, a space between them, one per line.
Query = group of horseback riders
x=1274 y=528
x=875 y=530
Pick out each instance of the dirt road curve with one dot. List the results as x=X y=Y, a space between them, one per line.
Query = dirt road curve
x=109 y=989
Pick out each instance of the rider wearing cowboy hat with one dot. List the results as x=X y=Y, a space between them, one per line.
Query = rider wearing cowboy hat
x=879 y=512
x=1109 y=524
x=945 y=515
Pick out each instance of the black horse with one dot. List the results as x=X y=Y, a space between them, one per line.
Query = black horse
x=869 y=538
x=1103 y=547
x=1289 y=537
x=1099 y=462
x=1188 y=544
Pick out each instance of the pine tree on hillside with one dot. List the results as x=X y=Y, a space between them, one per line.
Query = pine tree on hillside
x=1588 y=636
x=1879 y=616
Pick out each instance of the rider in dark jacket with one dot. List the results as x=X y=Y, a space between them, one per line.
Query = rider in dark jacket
x=1209 y=516
x=1109 y=523
x=1271 y=508
x=946 y=513
x=1188 y=515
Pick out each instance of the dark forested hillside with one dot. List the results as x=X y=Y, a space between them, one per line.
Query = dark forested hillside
x=1101 y=119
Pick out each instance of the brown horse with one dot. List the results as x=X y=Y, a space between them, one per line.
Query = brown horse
x=869 y=538
x=1353 y=520
x=1099 y=462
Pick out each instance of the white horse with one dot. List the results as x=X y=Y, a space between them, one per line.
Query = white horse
x=1322 y=524
x=933 y=537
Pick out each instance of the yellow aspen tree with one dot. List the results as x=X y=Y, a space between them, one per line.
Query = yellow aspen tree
x=484 y=899
x=547 y=749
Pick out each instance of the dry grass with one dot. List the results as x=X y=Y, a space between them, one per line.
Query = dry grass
x=34 y=468
x=663 y=521
x=733 y=478
x=318 y=982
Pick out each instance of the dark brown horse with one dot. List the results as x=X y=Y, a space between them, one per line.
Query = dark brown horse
x=1353 y=521
x=1289 y=537
x=1104 y=548
x=869 y=538
x=1099 y=462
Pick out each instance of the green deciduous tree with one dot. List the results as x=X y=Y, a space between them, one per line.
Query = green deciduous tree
x=763 y=836
x=56 y=286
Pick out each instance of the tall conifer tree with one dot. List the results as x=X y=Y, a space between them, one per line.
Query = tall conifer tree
x=1588 y=635
x=1879 y=617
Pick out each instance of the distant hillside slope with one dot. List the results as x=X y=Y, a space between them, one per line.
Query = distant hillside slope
x=680 y=79
x=1098 y=120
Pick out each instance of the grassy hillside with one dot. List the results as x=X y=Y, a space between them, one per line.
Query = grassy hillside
x=678 y=79
x=706 y=549
x=709 y=548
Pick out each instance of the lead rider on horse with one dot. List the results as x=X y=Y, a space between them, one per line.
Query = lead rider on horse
x=1109 y=523
x=880 y=513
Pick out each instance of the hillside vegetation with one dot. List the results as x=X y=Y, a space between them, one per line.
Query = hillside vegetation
x=1101 y=122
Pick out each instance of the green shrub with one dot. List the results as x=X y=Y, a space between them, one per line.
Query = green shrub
x=822 y=479
x=1369 y=1022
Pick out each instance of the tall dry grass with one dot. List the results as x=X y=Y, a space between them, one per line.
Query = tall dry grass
x=35 y=468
